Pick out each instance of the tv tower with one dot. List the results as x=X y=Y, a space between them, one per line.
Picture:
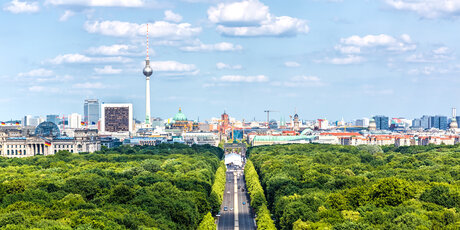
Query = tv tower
x=147 y=72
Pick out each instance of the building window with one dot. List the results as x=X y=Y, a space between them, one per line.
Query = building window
x=24 y=152
x=8 y=152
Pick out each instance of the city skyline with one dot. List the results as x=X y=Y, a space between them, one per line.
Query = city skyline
x=325 y=59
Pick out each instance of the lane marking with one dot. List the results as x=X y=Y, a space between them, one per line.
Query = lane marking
x=235 y=208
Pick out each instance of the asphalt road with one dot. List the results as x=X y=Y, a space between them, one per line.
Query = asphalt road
x=238 y=216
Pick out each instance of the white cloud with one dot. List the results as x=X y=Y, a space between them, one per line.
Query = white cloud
x=438 y=55
x=67 y=14
x=306 y=79
x=159 y=29
x=43 y=89
x=109 y=3
x=172 y=17
x=291 y=64
x=79 y=58
x=108 y=69
x=373 y=91
x=116 y=50
x=427 y=70
x=347 y=49
x=70 y=58
x=441 y=50
x=223 y=46
x=301 y=81
x=37 y=73
x=17 y=7
x=428 y=8
x=252 y=18
x=36 y=88
x=278 y=26
x=350 y=59
x=221 y=65
x=381 y=40
x=239 y=78
x=171 y=66
x=89 y=85
x=245 y=13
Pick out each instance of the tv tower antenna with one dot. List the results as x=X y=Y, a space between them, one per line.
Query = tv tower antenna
x=147 y=72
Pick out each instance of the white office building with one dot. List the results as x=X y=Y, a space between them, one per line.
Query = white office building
x=74 y=121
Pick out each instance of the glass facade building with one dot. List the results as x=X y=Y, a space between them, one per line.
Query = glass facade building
x=439 y=122
x=54 y=118
x=382 y=122
x=91 y=111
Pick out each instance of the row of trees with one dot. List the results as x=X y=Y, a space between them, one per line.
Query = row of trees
x=162 y=187
x=344 y=187
x=217 y=195
x=258 y=201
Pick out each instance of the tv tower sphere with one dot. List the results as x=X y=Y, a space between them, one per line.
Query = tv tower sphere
x=147 y=69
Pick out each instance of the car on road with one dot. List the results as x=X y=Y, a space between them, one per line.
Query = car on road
x=225 y=208
x=244 y=203
x=231 y=209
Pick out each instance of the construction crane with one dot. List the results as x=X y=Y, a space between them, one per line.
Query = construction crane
x=268 y=115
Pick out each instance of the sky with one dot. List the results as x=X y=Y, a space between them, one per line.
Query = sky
x=319 y=58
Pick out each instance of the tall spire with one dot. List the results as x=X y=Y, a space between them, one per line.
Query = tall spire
x=147 y=41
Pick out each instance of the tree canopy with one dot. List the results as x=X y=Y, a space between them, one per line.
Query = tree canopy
x=344 y=187
x=141 y=187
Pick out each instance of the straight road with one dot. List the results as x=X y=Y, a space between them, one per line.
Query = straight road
x=227 y=218
x=238 y=215
x=246 y=222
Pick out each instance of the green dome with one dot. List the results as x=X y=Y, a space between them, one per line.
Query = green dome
x=180 y=116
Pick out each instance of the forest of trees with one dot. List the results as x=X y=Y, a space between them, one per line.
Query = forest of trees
x=366 y=187
x=162 y=187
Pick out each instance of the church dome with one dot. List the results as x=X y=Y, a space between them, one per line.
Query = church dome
x=372 y=124
x=453 y=123
x=180 y=116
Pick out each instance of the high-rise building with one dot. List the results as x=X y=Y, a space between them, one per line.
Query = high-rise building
x=439 y=122
x=116 y=117
x=364 y=122
x=425 y=122
x=91 y=111
x=416 y=123
x=30 y=120
x=53 y=118
x=74 y=121
x=27 y=120
x=382 y=122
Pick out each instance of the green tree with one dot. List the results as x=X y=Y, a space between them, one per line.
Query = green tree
x=391 y=191
x=440 y=194
x=208 y=223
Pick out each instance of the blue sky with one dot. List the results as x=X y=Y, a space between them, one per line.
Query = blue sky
x=325 y=59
